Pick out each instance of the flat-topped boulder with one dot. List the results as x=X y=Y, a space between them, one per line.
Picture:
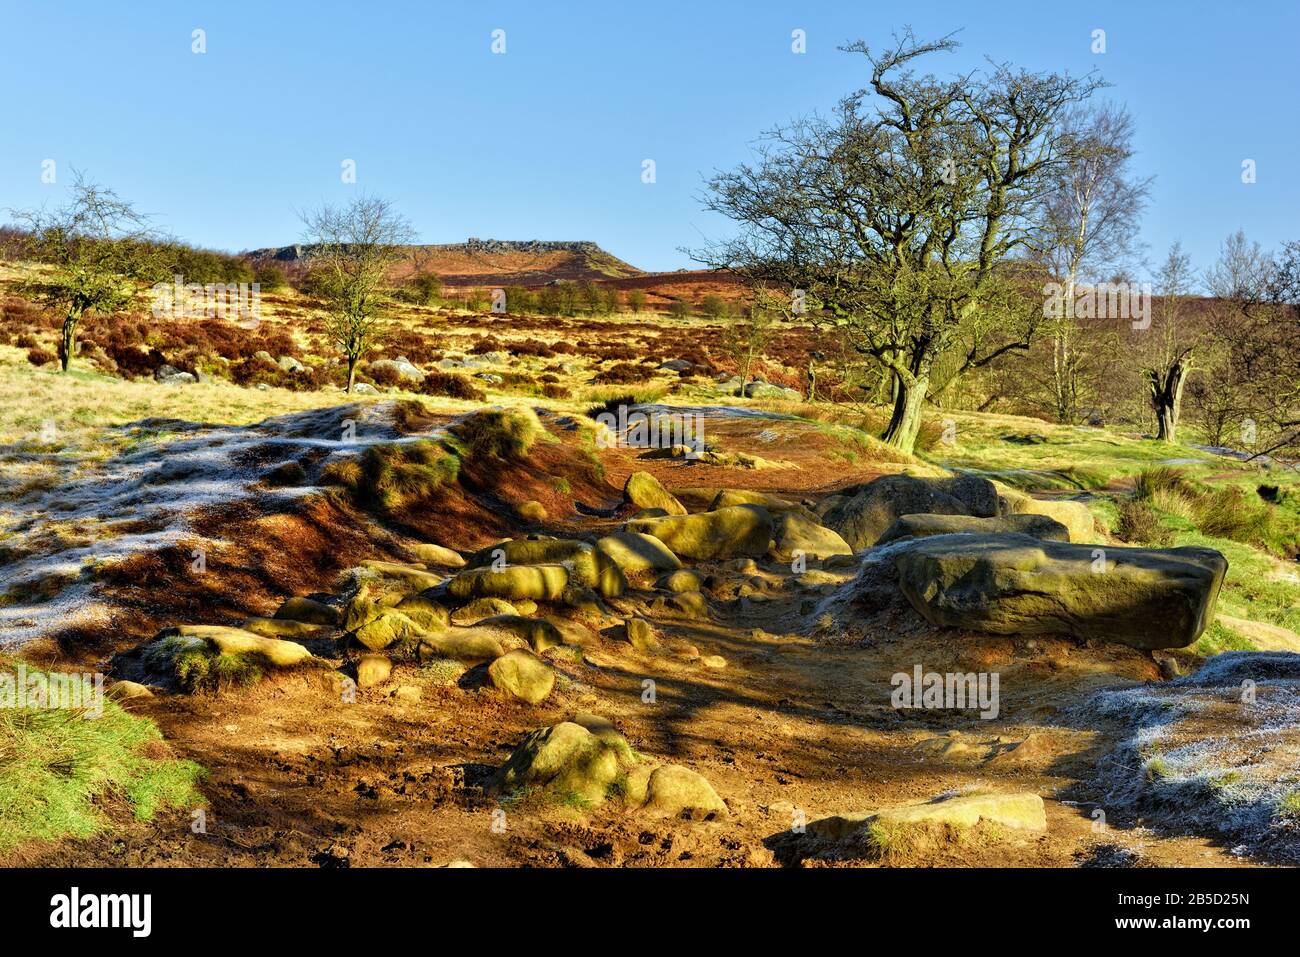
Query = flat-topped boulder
x=1016 y=585
x=1075 y=516
x=924 y=526
x=861 y=514
x=733 y=532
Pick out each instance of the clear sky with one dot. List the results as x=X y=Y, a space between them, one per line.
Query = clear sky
x=547 y=140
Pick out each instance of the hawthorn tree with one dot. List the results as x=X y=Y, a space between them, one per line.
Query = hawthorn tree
x=97 y=249
x=352 y=249
x=898 y=215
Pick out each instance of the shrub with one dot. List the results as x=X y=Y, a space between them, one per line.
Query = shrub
x=451 y=385
x=269 y=278
x=39 y=356
x=1139 y=524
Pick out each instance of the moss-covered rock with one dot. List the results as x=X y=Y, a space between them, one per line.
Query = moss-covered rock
x=863 y=513
x=588 y=565
x=538 y=582
x=1075 y=516
x=635 y=552
x=432 y=554
x=726 y=533
x=523 y=675
x=301 y=608
x=427 y=613
x=471 y=645
x=389 y=627
x=643 y=490
x=924 y=526
x=797 y=535
x=1014 y=584
x=565 y=761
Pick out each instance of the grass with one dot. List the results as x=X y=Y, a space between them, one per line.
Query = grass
x=500 y=433
x=394 y=476
x=58 y=769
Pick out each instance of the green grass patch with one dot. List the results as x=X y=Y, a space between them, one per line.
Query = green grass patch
x=57 y=769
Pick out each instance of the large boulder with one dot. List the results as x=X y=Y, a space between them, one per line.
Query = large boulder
x=566 y=761
x=588 y=564
x=236 y=641
x=644 y=491
x=302 y=608
x=925 y=525
x=728 y=497
x=523 y=675
x=797 y=535
x=1021 y=811
x=1015 y=584
x=538 y=582
x=635 y=552
x=733 y=532
x=389 y=627
x=1075 y=516
x=863 y=513
x=670 y=790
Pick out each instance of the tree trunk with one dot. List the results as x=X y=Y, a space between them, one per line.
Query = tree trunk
x=68 y=342
x=352 y=373
x=812 y=382
x=1167 y=397
x=906 y=420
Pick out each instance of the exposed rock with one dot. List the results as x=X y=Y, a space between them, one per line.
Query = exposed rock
x=402 y=367
x=1023 y=811
x=522 y=674
x=428 y=614
x=1015 y=584
x=410 y=575
x=290 y=364
x=725 y=533
x=640 y=634
x=714 y=662
x=236 y=641
x=644 y=491
x=538 y=582
x=923 y=526
x=471 y=645
x=408 y=694
x=373 y=670
x=538 y=632
x=387 y=628
x=682 y=580
x=670 y=790
x=635 y=552
x=797 y=535
x=364 y=388
x=587 y=564
x=128 y=691
x=481 y=608
x=863 y=513
x=432 y=554
x=773 y=503
x=531 y=511
x=1076 y=516
x=300 y=608
x=283 y=628
x=565 y=760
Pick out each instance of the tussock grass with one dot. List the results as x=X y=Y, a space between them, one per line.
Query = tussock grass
x=58 y=768
x=394 y=476
x=500 y=433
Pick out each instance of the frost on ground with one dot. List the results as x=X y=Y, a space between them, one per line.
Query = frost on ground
x=1218 y=750
x=54 y=532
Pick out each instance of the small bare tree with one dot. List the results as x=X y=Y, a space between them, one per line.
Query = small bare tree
x=1166 y=374
x=749 y=331
x=352 y=249
x=98 y=250
x=1090 y=218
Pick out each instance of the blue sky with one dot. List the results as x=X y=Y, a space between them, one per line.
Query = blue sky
x=547 y=140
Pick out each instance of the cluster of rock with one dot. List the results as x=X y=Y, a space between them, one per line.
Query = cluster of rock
x=971 y=554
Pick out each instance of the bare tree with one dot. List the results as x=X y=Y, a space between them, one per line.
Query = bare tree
x=1090 y=219
x=750 y=330
x=898 y=215
x=98 y=250
x=1167 y=371
x=352 y=249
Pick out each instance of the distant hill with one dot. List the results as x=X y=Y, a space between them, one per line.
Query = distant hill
x=496 y=262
